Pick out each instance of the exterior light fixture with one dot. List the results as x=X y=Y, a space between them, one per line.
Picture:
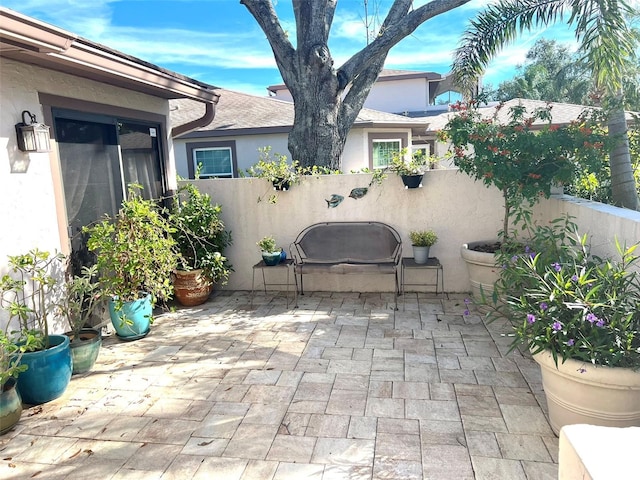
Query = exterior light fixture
x=32 y=136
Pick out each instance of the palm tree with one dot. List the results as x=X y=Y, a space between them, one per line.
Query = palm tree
x=606 y=41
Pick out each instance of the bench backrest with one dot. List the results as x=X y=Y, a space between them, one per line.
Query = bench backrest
x=348 y=242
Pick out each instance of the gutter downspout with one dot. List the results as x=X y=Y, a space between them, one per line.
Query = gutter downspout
x=206 y=119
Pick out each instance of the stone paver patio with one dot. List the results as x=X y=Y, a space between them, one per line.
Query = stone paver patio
x=340 y=388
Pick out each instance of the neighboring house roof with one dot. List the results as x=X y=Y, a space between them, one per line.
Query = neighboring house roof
x=561 y=113
x=28 y=40
x=243 y=114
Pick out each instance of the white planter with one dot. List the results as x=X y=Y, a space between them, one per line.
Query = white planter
x=579 y=392
x=420 y=254
x=483 y=271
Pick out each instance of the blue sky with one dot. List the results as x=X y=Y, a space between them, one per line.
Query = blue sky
x=218 y=42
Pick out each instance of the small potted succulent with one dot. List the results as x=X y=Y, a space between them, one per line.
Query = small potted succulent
x=270 y=253
x=421 y=241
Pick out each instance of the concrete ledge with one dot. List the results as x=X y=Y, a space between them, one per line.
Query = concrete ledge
x=589 y=452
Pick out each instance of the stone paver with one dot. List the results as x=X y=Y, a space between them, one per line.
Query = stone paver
x=341 y=388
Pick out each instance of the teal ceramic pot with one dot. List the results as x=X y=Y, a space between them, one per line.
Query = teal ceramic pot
x=133 y=320
x=10 y=406
x=271 y=258
x=48 y=372
x=85 y=349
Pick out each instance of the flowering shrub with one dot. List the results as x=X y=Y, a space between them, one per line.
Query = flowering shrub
x=519 y=158
x=562 y=299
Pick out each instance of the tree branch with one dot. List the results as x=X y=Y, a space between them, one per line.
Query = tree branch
x=283 y=51
x=398 y=24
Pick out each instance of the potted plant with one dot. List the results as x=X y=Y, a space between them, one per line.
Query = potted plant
x=200 y=240
x=410 y=168
x=10 y=368
x=28 y=294
x=270 y=253
x=80 y=299
x=421 y=241
x=136 y=257
x=579 y=315
x=277 y=169
x=523 y=160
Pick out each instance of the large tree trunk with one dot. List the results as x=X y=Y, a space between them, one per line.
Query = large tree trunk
x=623 y=185
x=324 y=113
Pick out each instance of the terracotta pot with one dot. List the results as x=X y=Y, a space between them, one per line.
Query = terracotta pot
x=579 y=392
x=483 y=272
x=191 y=287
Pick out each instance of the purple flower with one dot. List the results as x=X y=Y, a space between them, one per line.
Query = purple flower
x=571 y=342
x=514 y=259
x=543 y=306
x=574 y=278
x=591 y=318
x=531 y=318
x=556 y=266
x=557 y=326
x=600 y=323
x=532 y=255
x=466 y=312
x=582 y=370
x=527 y=249
x=467 y=301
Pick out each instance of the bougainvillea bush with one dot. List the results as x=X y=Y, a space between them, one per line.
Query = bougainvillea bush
x=522 y=158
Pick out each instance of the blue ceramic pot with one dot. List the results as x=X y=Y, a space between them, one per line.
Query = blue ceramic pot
x=10 y=405
x=85 y=349
x=271 y=258
x=133 y=319
x=48 y=373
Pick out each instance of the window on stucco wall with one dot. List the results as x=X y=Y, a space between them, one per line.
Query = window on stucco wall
x=382 y=147
x=212 y=159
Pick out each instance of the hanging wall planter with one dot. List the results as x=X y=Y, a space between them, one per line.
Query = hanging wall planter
x=412 y=181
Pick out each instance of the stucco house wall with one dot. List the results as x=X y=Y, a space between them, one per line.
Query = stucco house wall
x=399 y=96
x=32 y=214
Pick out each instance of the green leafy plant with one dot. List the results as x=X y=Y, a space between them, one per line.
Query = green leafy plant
x=29 y=295
x=81 y=297
x=559 y=297
x=135 y=250
x=10 y=356
x=267 y=244
x=276 y=168
x=423 y=238
x=521 y=160
x=199 y=234
x=403 y=164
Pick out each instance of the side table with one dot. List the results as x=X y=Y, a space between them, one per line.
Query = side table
x=284 y=264
x=409 y=263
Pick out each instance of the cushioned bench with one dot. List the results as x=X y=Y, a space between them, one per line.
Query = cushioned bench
x=347 y=248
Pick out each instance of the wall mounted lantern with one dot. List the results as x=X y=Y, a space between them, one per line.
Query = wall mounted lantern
x=32 y=136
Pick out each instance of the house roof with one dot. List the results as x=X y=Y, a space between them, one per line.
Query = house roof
x=243 y=114
x=561 y=113
x=28 y=40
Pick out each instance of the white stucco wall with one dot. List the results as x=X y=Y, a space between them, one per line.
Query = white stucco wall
x=28 y=216
x=398 y=96
x=457 y=208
